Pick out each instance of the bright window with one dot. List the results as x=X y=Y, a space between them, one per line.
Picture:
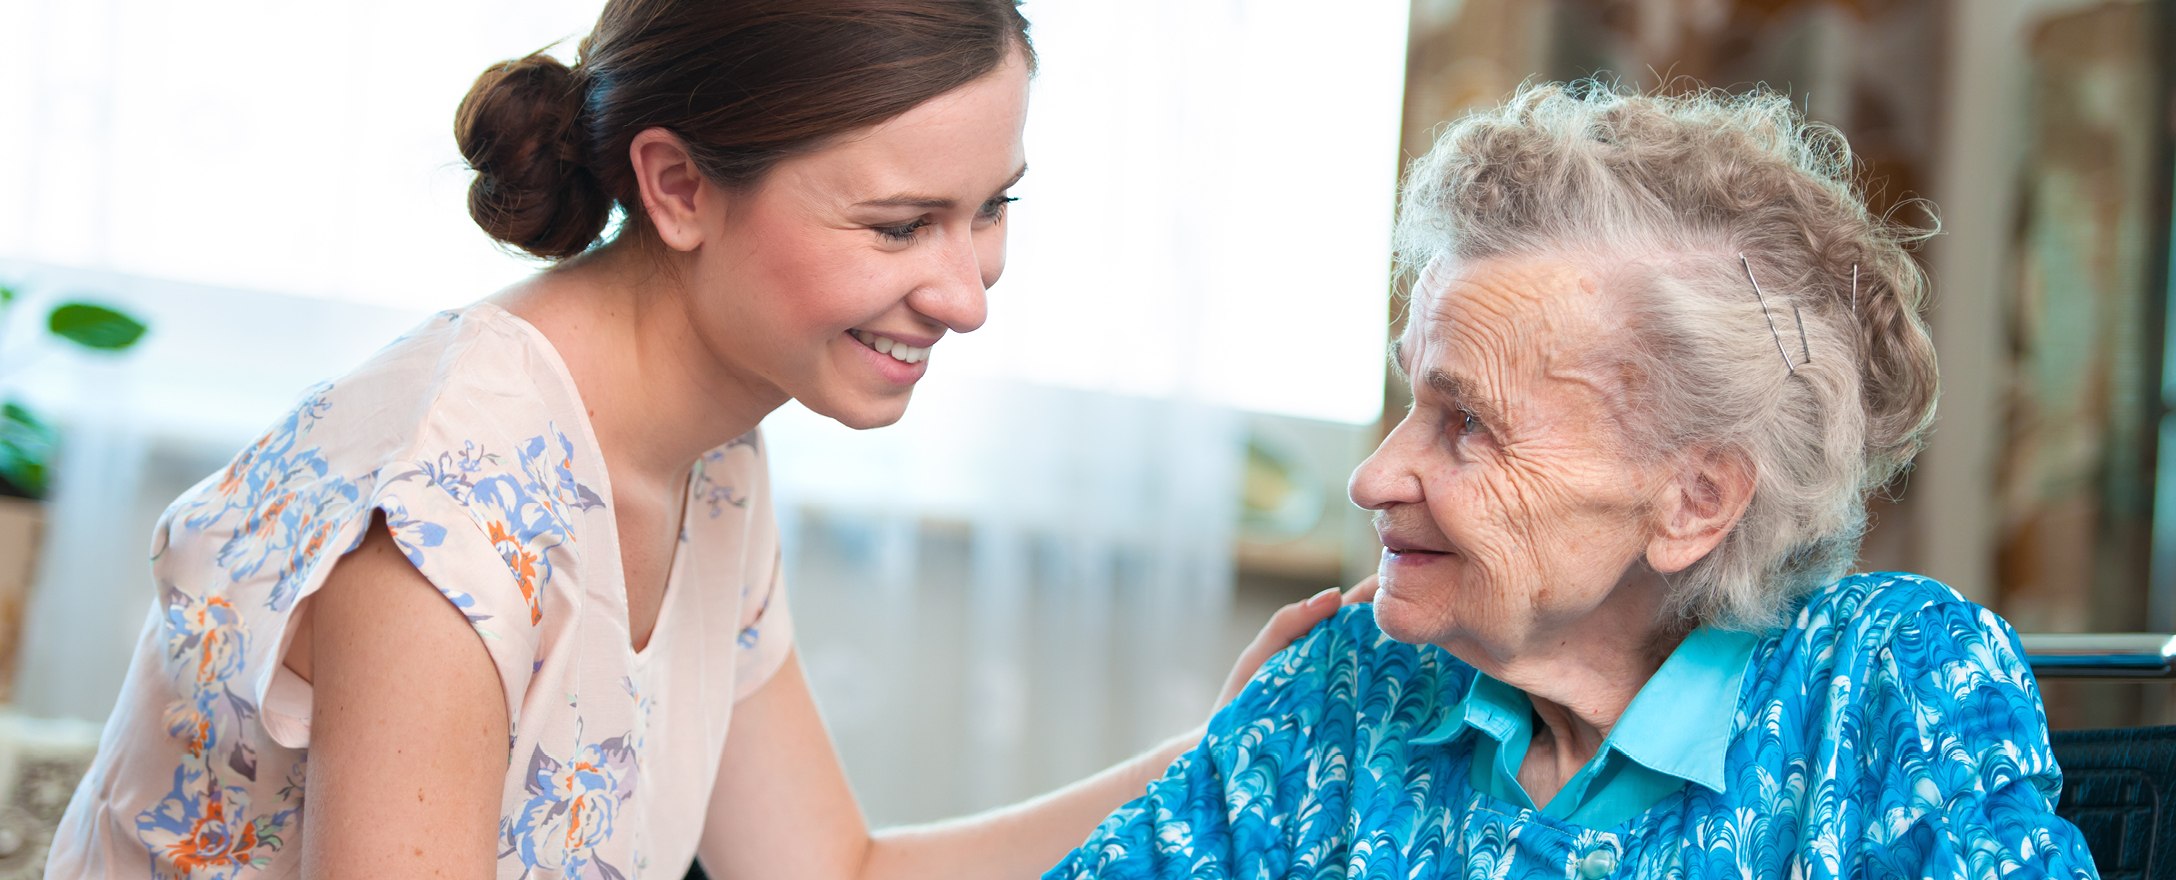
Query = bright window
x=1208 y=215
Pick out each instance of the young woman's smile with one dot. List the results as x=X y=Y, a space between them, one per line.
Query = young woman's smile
x=837 y=276
x=902 y=360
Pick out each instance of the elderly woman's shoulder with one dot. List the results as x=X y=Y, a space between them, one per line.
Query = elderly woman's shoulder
x=1891 y=628
x=1872 y=604
x=1878 y=592
x=1348 y=666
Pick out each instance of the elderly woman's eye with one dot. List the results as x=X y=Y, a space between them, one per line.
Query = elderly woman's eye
x=1468 y=423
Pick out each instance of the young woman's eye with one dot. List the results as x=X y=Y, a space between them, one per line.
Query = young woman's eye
x=903 y=232
x=994 y=209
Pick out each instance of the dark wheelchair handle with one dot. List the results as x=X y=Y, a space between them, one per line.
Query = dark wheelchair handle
x=2101 y=655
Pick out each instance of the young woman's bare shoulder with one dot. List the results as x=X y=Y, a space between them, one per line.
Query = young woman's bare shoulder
x=408 y=738
x=374 y=594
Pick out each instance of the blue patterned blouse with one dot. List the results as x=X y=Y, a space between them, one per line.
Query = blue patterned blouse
x=1891 y=730
x=1676 y=730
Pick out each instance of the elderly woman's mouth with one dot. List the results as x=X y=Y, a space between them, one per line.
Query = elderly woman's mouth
x=1411 y=555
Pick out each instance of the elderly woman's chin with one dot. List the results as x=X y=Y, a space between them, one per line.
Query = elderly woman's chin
x=1415 y=607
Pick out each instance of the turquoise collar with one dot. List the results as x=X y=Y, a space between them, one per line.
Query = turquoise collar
x=1677 y=727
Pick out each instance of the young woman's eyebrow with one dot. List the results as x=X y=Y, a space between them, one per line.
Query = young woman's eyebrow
x=931 y=203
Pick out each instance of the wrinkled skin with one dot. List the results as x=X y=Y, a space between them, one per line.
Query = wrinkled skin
x=1522 y=530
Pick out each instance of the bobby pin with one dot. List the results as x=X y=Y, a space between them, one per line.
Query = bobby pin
x=1854 y=293
x=1802 y=344
x=1763 y=298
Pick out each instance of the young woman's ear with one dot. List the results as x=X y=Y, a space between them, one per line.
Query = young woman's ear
x=674 y=191
x=1698 y=509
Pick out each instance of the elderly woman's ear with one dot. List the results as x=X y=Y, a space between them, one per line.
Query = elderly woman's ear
x=1697 y=509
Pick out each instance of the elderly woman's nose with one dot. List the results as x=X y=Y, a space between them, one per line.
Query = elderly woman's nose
x=1384 y=479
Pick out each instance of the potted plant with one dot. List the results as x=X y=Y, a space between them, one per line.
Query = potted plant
x=26 y=453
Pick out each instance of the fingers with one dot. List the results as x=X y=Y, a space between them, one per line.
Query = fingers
x=1364 y=591
x=1288 y=624
x=1294 y=620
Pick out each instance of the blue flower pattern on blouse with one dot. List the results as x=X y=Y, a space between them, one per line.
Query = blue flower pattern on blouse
x=1891 y=730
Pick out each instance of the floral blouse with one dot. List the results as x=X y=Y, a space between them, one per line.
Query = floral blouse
x=1891 y=730
x=469 y=437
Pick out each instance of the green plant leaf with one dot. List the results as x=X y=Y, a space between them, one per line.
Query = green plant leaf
x=19 y=476
x=16 y=413
x=95 y=326
x=26 y=445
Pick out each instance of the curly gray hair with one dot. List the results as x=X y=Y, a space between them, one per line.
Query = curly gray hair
x=1659 y=196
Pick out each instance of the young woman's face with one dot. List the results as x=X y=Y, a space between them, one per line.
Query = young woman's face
x=838 y=274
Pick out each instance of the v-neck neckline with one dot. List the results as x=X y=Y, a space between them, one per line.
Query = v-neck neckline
x=616 y=599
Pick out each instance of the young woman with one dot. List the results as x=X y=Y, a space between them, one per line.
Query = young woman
x=505 y=601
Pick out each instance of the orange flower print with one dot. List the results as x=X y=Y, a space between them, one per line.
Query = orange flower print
x=263 y=522
x=317 y=530
x=213 y=844
x=234 y=480
x=525 y=511
x=206 y=642
x=206 y=639
x=522 y=562
x=188 y=721
x=206 y=833
x=572 y=811
x=272 y=464
x=219 y=655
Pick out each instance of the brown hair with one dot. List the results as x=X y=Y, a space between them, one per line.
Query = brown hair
x=744 y=84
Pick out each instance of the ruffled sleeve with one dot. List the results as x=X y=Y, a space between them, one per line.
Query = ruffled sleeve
x=488 y=530
x=1956 y=774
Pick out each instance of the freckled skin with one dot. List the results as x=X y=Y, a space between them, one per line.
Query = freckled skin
x=1545 y=514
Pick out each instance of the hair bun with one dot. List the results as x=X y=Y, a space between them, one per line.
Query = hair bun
x=517 y=130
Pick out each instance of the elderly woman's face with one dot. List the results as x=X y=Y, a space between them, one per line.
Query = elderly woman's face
x=1509 y=507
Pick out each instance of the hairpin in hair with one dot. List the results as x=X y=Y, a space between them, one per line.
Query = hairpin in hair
x=1780 y=352
x=1803 y=346
x=1854 y=292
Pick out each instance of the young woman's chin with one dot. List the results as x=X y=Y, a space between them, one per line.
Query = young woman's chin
x=860 y=411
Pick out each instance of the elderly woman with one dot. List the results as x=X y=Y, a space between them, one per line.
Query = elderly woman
x=1660 y=355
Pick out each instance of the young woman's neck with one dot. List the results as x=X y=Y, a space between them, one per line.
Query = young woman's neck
x=658 y=396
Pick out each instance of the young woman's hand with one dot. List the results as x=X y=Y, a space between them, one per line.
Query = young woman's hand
x=1364 y=591
x=1288 y=624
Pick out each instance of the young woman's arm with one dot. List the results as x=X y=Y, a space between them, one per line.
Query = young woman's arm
x=781 y=806
x=408 y=726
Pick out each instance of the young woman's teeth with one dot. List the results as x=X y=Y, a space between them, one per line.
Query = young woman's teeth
x=899 y=351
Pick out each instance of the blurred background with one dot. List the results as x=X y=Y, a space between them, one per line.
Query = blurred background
x=1095 y=501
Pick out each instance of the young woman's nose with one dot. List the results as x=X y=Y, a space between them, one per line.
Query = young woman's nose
x=955 y=293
